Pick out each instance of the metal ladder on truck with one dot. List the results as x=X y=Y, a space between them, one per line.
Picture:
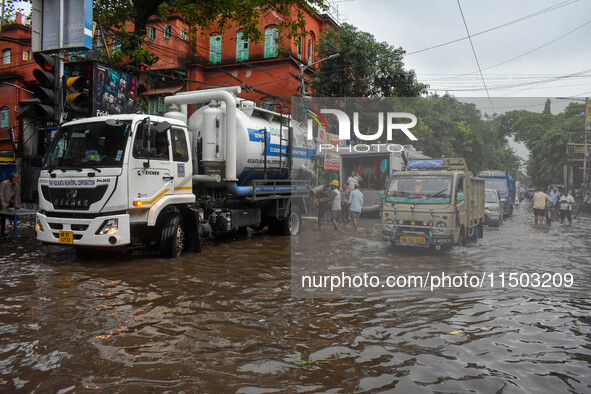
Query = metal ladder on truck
x=285 y=159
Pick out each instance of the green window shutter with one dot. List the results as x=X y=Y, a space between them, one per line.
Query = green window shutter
x=167 y=31
x=271 y=44
x=151 y=33
x=215 y=49
x=5 y=118
x=241 y=48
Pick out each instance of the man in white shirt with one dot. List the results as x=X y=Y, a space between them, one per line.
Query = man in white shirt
x=354 y=179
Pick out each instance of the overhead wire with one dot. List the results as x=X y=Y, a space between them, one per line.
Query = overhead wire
x=543 y=11
x=475 y=56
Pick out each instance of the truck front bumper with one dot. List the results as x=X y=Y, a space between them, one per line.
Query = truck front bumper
x=84 y=232
x=417 y=240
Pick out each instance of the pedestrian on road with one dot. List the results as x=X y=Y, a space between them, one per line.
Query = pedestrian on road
x=322 y=193
x=566 y=207
x=345 y=203
x=356 y=200
x=539 y=205
x=555 y=196
x=10 y=197
x=335 y=203
x=354 y=179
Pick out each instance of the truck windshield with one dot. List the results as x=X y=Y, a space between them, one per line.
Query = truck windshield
x=431 y=189
x=88 y=145
x=499 y=185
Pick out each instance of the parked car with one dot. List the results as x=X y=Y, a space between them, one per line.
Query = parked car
x=493 y=208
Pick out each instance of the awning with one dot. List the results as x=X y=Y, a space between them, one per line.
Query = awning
x=163 y=91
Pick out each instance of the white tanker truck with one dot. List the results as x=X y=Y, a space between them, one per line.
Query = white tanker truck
x=163 y=182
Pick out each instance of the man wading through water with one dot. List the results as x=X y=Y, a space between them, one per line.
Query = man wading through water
x=335 y=203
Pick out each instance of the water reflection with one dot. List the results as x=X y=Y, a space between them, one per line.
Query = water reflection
x=224 y=320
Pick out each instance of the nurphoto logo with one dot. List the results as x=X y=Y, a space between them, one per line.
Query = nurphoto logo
x=391 y=119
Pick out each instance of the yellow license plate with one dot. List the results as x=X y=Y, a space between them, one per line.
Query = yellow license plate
x=413 y=239
x=66 y=237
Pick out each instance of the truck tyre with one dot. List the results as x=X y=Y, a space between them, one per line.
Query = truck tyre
x=172 y=238
x=291 y=225
x=294 y=221
x=462 y=237
x=511 y=210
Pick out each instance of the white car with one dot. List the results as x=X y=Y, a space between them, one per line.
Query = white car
x=493 y=208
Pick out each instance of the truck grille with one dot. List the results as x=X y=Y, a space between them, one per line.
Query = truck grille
x=75 y=198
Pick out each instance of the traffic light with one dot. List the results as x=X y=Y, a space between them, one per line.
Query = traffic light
x=77 y=94
x=47 y=90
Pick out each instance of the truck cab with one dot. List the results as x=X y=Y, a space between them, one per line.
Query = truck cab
x=504 y=184
x=433 y=203
x=104 y=175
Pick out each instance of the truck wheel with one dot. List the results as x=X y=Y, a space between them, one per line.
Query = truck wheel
x=511 y=210
x=291 y=225
x=462 y=238
x=172 y=238
x=293 y=222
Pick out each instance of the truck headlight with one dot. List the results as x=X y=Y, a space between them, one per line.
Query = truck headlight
x=440 y=227
x=109 y=226
x=425 y=223
x=389 y=224
x=400 y=221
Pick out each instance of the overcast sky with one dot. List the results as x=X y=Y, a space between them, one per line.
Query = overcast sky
x=556 y=33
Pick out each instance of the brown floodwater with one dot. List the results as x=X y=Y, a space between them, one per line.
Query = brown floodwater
x=225 y=320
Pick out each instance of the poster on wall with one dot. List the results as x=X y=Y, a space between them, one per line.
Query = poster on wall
x=331 y=158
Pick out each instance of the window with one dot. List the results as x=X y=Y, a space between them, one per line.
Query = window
x=151 y=33
x=310 y=52
x=179 y=145
x=215 y=49
x=26 y=56
x=6 y=56
x=300 y=46
x=167 y=31
x=156 y=105
x=4 y=117
x=271 y=42
x=241 y=48
x=183 y=34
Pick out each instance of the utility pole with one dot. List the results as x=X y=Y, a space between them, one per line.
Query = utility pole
x=304 y=67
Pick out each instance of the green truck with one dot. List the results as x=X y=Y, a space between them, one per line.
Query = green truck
x=433 y=203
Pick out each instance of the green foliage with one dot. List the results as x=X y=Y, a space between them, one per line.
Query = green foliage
x=114 y=16
x=546 y=136
x=449 y=128
x=365 y=67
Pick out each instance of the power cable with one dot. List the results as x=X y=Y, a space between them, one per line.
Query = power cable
x=551 y=8
x=475 y=57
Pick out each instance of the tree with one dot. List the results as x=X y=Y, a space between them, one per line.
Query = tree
x=546 y=136
x=114 y=16
x=365 y=67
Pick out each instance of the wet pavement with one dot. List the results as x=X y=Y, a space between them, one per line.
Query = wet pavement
x=225 y=320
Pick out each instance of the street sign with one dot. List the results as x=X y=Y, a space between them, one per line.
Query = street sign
x=70 y=29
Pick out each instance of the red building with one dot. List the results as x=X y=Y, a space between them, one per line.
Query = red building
x=16 y=77
x=268 y=72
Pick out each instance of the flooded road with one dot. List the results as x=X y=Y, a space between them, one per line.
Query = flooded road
x=225 y=320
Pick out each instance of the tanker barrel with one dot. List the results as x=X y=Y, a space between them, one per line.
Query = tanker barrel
x=227 y=95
